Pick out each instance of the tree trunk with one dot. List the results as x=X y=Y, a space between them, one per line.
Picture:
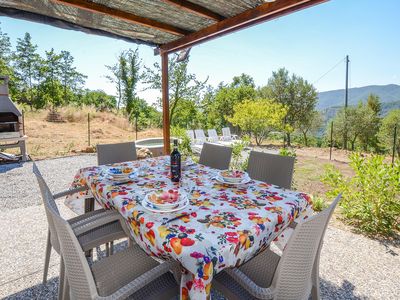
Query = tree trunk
x=136 y=129
x=288 y=139
x=258 y=140
x=305 y=139
x=352 y=144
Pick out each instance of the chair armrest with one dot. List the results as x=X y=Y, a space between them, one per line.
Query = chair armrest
x=70 y=192
x=143 y=280
x=97 y=220
x=249 y=285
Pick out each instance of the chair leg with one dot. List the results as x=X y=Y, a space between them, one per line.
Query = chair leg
x=315 y=291
x=107 y=249
x=88 y=207
x=47 y=258
x=61 y=280
x=65 y=295
x=111 y=247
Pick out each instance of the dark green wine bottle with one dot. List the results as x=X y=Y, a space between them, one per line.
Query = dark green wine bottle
x=175 y=163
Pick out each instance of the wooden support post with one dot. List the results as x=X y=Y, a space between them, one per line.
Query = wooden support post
x=88 y=128
x=23 y=122
x=165 y=101
x=331 y=142
x=394 y=143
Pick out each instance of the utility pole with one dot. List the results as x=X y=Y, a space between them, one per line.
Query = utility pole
x=346 y=102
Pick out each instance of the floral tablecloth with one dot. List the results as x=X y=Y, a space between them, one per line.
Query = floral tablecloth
x=224 y=227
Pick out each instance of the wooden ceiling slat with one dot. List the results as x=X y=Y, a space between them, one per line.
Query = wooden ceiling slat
x=262 y=13
x=123 y=15
x=195 y=9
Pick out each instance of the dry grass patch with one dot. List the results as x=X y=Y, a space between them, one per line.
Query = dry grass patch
x=46 y=139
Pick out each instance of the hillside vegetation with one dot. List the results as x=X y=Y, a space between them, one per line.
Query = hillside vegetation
x=387 y=93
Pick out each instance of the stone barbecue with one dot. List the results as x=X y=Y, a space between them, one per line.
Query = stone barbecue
x=11 y=121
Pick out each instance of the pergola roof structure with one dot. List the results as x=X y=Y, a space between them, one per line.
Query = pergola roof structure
x=166 y=25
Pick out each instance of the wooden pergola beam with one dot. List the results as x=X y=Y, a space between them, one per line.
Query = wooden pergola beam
x=165 y=102
x=195 y=9
x=123 y=15
x=262 y=13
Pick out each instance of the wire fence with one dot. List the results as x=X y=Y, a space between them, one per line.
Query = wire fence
x=394 y=143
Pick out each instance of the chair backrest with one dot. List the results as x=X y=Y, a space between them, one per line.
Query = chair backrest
x=212 y=135
x=292 y=279
x=215 y=156
x=226 y=134
x=271 y=168
x=44 y=189
x=190 y=134
x=77 y=270
x=200 y=135
x=116 y=153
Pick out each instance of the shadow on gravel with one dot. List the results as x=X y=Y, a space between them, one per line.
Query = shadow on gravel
x=332 y=291
x=50 y=291
x=39 y=291
x=5 y=167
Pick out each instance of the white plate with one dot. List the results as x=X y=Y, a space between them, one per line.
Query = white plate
x=121 y=179
x=183 y=197
x=146 y=205
x=244 y=181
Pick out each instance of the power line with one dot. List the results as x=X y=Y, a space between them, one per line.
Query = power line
x=331 y=69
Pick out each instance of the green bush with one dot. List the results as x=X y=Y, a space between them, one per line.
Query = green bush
x=371 y=198
x=319 y=204
x=238 y=163
x=184 y=146
x=287 y=152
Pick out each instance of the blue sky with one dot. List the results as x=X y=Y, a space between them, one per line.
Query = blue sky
x=308 y=43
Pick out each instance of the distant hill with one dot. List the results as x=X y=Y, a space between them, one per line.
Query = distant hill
x=389 y=95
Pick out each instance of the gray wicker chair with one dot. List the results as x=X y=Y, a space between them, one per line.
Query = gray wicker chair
x=271 y=168
x=115 y=153
x=92 y=229
x=293 y=275
x=130 y=272
x=215 y=156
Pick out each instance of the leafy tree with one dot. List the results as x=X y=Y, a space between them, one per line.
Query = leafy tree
x=208 y=117
x=370 y=137
x=99 y=99
x=311 y=124
x=5 y=48
x=298 y=95
x=130 y=65
x=6 y=68
x=386 y=131
x=258 y=117
x=116 y=77
x=186 y=114
x=148 y=115
x=357 y=121
x=26 y=63
x=71 y=79
x=182 y=84
x=374 y=102
x=52 y=77
x=242 y=88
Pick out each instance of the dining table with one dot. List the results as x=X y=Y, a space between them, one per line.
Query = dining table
x=222 y=226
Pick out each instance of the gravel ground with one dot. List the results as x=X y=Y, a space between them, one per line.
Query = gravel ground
x=352 y=266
